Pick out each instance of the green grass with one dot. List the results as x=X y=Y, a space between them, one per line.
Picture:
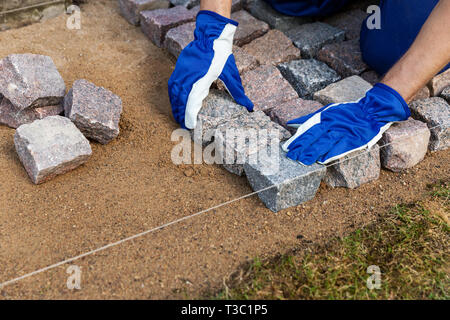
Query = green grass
x=409 y=244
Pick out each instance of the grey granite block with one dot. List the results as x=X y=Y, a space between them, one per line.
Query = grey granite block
x=185 y=3
x=404 y=145
x=435 y=112
x=31 y=80
x=282 y=182
x=218 y=108
x=446 y=94
x=263 y=11
x=355 y=169
x=94 y=110
x=14 y=117
x=308 y=76
x=50 y=147
x=347 y=90
x=130 y=9
x=311 y=37
x=245 y=137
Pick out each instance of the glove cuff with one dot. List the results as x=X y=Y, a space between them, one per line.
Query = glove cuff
x=217 y=17
x=397 y=96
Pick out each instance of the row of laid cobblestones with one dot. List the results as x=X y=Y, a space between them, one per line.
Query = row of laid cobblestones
x=290 y=67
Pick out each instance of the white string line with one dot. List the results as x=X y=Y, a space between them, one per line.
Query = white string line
x=113 y=244
x=32 y=6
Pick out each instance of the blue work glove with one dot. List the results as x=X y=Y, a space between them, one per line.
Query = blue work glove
x=337 y=129
x=203 y=61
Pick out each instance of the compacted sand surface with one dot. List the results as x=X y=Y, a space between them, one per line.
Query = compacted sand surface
x=131 y=185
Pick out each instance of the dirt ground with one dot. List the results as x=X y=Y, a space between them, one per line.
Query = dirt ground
x=131 y=185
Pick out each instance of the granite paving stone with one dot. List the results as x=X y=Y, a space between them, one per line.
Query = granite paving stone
x=94 y=110
x=249 y=27
x=156 y=23
x=344 y=57
x=50 y=147
x=263 y=11
x=245 y=137
x=293 y=109
x=272 y=48
x=178 y=38
x=185 y=3
x=348 y=21
x=31 y=80
x=130 y=9
x=244 y=61
x=435 y=112
x=446 y=94
x=404 y=145
x=346 y=90
x=355 y=169
x=285 y=183
x=266 y=87
x=217 y=108
x=439 y=83
x=422 y=94
x=371 y=77
x=311 y=37
x=14 y=117
x=308 y=76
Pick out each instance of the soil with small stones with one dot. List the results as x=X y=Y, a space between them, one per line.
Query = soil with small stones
x=131 y=185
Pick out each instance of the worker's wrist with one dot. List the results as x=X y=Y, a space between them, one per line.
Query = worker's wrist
x=222 y=7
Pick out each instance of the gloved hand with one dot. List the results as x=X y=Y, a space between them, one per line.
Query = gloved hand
x=337 y=129
x=204 y=60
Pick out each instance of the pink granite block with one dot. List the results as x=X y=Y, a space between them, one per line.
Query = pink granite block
x=422 y=94
x=178 y=38
x=156 y=23
x=371 y=77
x=249 y=27
x=266 y=87
x=355 y=169
x=404 y=145
x=439 y=83
x=293 y=109
x=344 y=57
x=130 y=9
x=244 y=61
x=14 y=117
x=348 y=21
x=272 y=48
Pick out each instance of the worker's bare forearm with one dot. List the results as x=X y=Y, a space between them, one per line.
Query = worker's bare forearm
x=222 y=7
x=429 y=53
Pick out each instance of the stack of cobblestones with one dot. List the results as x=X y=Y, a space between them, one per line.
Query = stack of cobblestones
x=290 y=67
x=33 y=100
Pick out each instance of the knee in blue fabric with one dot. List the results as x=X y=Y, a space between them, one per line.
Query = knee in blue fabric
x=307 y=8
x=400 y=23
